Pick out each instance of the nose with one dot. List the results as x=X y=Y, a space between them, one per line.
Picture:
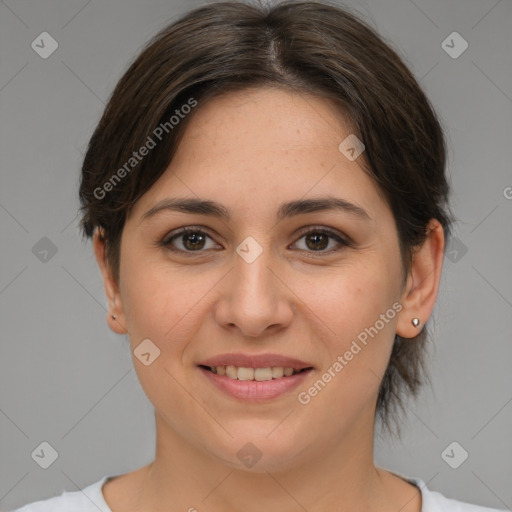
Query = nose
x=254 y=299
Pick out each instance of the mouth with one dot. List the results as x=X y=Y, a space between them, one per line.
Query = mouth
x=254 y=378
x=258 y=374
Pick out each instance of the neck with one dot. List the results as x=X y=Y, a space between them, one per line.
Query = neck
x=341 y=477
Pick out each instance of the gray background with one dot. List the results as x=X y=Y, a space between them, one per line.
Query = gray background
x=68 y=380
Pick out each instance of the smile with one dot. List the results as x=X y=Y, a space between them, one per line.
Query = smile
x=255 y=384
x=258 y=374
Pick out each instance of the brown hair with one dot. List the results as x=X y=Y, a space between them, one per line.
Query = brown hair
x=309 y=46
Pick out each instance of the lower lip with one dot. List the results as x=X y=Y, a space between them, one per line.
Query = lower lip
x=254 y=390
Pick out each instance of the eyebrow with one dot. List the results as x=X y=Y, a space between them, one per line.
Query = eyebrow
x=286 y=210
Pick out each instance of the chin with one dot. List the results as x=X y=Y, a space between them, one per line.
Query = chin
x=258 y=453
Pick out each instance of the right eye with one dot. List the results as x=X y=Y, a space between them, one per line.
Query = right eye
x=186 y=240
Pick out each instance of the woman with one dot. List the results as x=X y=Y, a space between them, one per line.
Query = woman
x=267 y=199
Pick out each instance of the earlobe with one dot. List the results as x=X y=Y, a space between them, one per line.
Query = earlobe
x=115 y=314
x=423 y=280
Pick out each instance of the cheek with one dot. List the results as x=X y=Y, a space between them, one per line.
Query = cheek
x=166 y=307
x=348 y=299
x=356 y=308
x=350 y=302
x=158 y=302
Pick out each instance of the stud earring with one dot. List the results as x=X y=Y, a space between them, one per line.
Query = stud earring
x=114 y=317
x=415 y=322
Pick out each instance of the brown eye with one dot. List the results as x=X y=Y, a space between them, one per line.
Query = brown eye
x=193 y=241
x=318 y=240
x=188 y=240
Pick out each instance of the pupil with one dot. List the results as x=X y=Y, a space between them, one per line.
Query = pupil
x=196 y=240
x=316 y=237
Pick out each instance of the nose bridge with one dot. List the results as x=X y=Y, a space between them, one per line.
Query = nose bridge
x=253 y=299
x=252 y=279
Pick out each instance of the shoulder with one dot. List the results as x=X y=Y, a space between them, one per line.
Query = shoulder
x=434 y=501
x=89 y=499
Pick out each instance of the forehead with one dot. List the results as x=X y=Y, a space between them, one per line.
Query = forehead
x=265 y=146
x=257 y=115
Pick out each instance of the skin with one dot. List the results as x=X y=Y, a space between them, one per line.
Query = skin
x=252 y=151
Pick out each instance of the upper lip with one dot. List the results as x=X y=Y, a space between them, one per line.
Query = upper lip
x=255 y=361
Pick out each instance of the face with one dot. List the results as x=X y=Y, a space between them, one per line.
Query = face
x=320 y=285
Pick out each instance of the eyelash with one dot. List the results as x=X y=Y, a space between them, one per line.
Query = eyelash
x=168 y=239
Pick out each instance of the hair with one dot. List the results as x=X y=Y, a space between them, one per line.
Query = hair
x=313 y=47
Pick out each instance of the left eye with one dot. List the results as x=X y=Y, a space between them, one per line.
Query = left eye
x=194 y=240
x=317 y=240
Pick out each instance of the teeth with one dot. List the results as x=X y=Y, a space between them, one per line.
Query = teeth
x=245 y=373
x=277 y=372
x=231 y=372
x=258 y=374
x=263 y=374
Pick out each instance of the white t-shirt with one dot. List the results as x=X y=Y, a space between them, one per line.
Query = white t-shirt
x=90 y=499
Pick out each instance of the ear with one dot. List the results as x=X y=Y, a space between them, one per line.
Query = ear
x=423 y=280
x=115 y=306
